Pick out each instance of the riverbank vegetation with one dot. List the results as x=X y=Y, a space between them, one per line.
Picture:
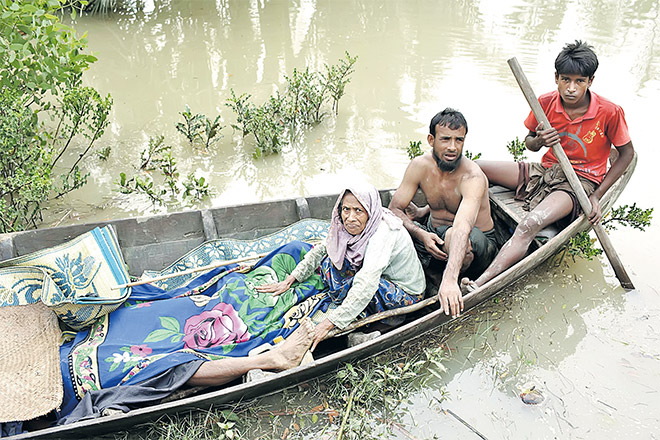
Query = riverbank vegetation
x=49 y=122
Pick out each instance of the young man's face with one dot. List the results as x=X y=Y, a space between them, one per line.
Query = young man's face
x=447 y=146
x=573 y=88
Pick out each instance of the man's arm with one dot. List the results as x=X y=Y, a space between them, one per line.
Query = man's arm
x=472 y=190
x=626 y=153
x=402 y=198
x=541 y=138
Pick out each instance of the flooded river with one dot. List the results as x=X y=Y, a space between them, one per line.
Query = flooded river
x=569 y=329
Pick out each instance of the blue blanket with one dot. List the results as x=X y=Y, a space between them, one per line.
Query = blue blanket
x=217 y=314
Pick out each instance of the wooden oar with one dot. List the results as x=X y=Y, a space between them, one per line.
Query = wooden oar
x=189 y=271
x=573 y=180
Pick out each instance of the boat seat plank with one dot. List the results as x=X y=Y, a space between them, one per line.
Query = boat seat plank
x=502 y=198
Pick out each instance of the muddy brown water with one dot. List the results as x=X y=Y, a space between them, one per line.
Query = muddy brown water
x=590 y=347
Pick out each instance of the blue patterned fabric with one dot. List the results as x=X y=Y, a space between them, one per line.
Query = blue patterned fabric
x=339 y=282
x=217 y=314
x=74 y=279
x=307 y=230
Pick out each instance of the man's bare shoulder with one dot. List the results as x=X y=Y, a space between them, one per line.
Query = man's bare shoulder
x=472 y=169
x=422 y=162
x=473 y=174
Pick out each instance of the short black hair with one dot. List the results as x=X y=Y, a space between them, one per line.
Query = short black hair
x=448 y=118
x=577 y=59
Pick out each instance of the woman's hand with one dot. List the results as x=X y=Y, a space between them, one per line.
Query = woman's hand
x=321 y=331
x=276 y=288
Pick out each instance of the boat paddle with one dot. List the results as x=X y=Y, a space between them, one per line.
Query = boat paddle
x=573 y=180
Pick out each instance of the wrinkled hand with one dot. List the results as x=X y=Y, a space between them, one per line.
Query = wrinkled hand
x=320 y=332
x=547 y=138
x=434 y=244
x=276 y=288
x=596 y=214
x=450 y=298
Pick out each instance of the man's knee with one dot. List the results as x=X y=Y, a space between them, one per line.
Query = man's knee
x=530 y=225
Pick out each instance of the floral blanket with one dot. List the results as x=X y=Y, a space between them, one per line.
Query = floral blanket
x=217 y=314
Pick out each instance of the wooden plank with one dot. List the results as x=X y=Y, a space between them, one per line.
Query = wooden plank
x=241 y=220
x=157 y=256
x=7 y=247
x=497 y=189
x=210 y=231
x=160 y=229
x=321 y=206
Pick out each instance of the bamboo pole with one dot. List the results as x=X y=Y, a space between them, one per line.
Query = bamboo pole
x=189 y=271
x=380 y=316
x=573 y=180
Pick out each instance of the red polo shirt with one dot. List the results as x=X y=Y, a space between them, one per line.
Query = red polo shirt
x=587 y=139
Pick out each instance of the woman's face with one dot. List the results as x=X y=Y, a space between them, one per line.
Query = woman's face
x=353 y=214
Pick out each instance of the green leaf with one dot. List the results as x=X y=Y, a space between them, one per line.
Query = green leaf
x=283 y=265
x=170 y=323
x=158 y=335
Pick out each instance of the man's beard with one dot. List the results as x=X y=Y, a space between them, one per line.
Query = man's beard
x=447 y=166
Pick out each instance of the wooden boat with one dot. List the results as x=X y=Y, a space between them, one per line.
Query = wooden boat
x=151 y=243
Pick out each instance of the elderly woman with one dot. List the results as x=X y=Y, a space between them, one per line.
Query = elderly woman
x=368 y=262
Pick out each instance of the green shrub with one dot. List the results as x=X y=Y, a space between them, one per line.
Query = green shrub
x=45 y=111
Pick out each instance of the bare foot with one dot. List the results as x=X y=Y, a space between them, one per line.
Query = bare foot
x=468 y=286
x=290 y=353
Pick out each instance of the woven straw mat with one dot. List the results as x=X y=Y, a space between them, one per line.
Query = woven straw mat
x=30 y=378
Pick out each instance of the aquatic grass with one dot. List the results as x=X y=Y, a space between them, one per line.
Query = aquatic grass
x=361 y=400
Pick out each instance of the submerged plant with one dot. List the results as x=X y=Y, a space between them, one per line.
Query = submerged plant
x=151 y=156
x=470 y=155
x=104 y=153
x=191 y=126
x=517 y=149
x=243 y=109
x=414 y=149
x=212 y=131
x=628 y=215
x=195 y=187
x=141 y=185
x=336 y=78
x=583 y=245
x=300 y=106
x=158 y=156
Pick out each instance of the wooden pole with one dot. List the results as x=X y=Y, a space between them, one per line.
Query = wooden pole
x=573 y=180
x=189 y=271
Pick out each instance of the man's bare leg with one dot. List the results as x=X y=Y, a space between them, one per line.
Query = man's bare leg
x=555 y=206
x=500 y=172
x=287 y=355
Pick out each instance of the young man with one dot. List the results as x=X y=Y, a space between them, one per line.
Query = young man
x=586 y=125
x=459 y=231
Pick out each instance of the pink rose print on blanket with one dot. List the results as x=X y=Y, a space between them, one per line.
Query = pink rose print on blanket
x=218 y=326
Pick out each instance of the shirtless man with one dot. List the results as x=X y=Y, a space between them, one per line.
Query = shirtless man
x=459 y=231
